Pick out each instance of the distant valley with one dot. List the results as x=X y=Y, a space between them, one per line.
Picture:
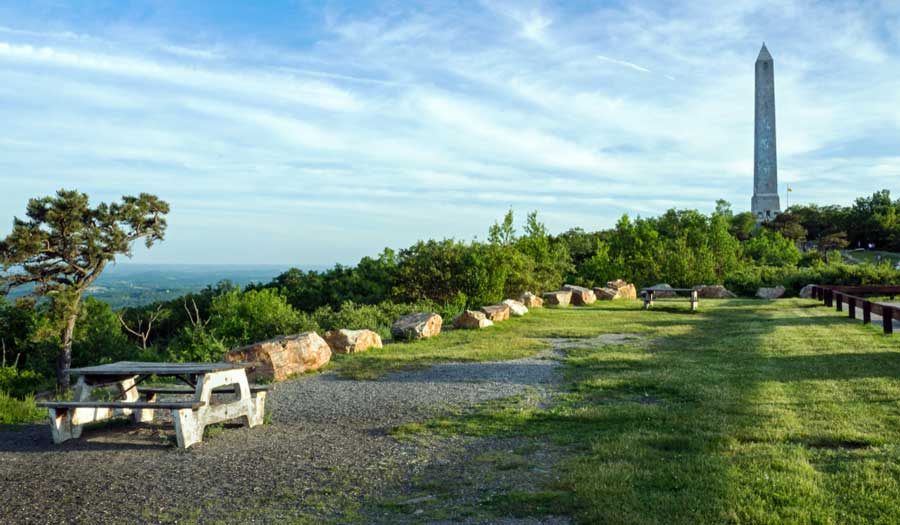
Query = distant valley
x=123 y=285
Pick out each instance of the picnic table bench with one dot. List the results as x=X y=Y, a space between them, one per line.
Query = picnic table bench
x=648 y=293
x=202 y=380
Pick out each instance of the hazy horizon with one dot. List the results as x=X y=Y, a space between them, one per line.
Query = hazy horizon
x=322 y=133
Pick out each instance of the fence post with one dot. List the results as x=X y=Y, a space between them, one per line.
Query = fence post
x=837 y=301
x=887 y=319
x=867 y=312
x=851 y=307
x=829 y=295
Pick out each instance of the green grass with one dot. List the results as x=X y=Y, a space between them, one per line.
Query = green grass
x=14 y=411
x=871 y=256
x=745 y=412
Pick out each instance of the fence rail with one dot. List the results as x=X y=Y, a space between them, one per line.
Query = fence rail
x=853 y=296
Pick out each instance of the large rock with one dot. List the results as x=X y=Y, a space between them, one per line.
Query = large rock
x=606 y=294
x=558 y=298
x=351 y=341
x=580 y=295
x=624 y=290
x=417 y=326
x=659 y=290
x=283 y=357
x=471 y=319
x=770 y=293
x=806 y=292
x=617 y=289
x=714 y=292
x=516 y=309
x=496 y=312
x=531 y=301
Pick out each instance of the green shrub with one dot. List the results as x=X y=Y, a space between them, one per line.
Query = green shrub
x=20 y=383
x=241 y=318
x=14 y=410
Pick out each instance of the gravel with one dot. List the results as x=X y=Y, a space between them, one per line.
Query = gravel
x=326 y=451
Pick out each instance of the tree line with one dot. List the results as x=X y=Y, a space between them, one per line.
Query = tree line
x=64 y=237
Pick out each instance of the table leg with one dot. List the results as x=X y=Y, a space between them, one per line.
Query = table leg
x=189 y=424
x=62 y=426
x=695 y=300
x=129 y=392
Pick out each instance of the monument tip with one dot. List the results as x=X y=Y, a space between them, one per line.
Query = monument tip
x=764 y=54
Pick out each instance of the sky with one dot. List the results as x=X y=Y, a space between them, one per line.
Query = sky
x=309 y=133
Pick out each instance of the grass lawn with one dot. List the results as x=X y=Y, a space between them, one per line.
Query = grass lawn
x=871 y=256
x=744 y=412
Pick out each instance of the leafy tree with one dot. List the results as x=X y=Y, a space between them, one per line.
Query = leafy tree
x=503 y=233
x=742 y=225
x=833 y=241
x=64 y=245
x=98 y=337
x=240 y=318
x=788 y=224
x=770 y=248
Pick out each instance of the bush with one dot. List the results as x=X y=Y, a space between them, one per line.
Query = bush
x=241 y=318
x=20 y=383
x=14 y=410
x=195 y=344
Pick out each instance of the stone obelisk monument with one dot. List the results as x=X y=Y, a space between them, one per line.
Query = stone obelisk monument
x=765 y=203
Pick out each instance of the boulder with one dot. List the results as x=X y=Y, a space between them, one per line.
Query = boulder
x=580 y=295
x=531 y=301
x=351 y=341
x=606 y=294
x=806 y=292
x=472 y=319
x=516 y=309
x=496 y=312
x=714 y=292
x=624 y=290
x=558 y=298
x=659 y=290
x=417 y=326
x=770 y=293
x=617 y=289
x=283 y=357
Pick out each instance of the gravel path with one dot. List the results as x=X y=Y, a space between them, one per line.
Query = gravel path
x=326 y=450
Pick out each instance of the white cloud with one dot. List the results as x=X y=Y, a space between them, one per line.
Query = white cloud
x=429 y=121
x=624 y=63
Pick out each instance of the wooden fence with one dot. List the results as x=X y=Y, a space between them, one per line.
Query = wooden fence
x=853 y=296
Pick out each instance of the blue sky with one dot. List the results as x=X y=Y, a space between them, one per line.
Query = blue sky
x=317 y=132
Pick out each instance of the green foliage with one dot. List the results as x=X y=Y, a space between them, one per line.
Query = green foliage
x=770 y=248
x=19 y=383
x=64 y=245
x=14 y=411
x=195 y=344
x=99 y=337
x=240 y=318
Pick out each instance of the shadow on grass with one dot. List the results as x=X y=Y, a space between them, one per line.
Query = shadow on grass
x=669 y=435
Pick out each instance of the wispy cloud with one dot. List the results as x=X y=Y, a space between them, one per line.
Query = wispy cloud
x=624 y=63
x=384 y=123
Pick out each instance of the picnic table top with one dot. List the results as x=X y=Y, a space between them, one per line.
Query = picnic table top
x=123 y=368
x=654 y=289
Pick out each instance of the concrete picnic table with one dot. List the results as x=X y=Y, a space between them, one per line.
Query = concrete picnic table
x=648 y=294
x=201 y=379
